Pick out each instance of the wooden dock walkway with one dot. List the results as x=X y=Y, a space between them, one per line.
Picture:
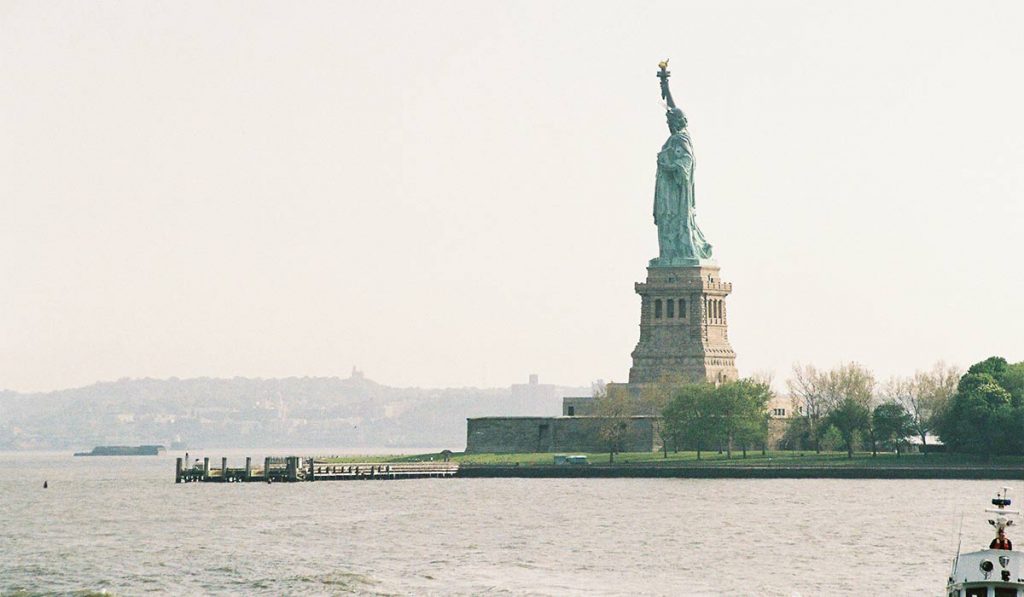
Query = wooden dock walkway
x=292 y=469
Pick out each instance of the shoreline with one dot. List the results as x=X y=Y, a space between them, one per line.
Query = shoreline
x=630 y=465
x=611 y=471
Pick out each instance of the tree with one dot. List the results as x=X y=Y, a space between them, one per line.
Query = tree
x=924 y=396
x=613 y=409
x=1013 y=381
x=816 y=392
x=981 y=418
x=654 y=398
x=741 y=408
x=689 y=415
x=849 y=418
x=890 y=422
x=848 y=391
x=797 y=435
x=1009 y=377
x=830 y=437
x=732 y=414
x=807 y=386
x=994 y=366
x=767 y=379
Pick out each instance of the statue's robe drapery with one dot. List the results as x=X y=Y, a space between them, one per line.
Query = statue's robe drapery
x=678 y=234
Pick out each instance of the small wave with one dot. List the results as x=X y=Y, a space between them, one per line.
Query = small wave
x=22 y=592
x=352 y=581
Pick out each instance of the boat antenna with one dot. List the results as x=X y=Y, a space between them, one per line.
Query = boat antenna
x=959 y=542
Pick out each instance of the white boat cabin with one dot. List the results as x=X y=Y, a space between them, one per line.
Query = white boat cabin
x=994 y=572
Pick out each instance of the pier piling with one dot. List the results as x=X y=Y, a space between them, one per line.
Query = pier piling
x=297 y=468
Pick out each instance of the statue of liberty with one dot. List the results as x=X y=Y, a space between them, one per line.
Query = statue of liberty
x=680 y=241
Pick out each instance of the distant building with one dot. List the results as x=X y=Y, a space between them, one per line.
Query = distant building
x=783 y=407
x=534 y=397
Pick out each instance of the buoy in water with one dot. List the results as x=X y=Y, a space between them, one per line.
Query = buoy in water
x=45 y=485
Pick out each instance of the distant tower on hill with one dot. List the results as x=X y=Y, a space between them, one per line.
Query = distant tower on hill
x=532 y=398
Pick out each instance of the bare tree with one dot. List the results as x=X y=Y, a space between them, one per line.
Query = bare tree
x=817 y=393
x=849 y=393
x=924 y=396
x=765 y=377
x=613 y=408
x=807 y=387
x=849 y=381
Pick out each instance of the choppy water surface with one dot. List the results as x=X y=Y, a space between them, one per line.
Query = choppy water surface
x=121 y=525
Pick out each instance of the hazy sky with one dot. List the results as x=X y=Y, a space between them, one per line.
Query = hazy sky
x=460 y=193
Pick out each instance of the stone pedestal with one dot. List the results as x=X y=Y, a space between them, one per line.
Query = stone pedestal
x=683 y=326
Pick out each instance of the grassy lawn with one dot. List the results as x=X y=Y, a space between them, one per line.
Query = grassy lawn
x=830 y=459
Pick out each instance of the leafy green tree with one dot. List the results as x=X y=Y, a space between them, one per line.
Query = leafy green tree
x=890 y=423
x=654 y=399
x=980 y=418
x=741 y=409
x=994 y=366
x=690 y=415
x=1010 y=425
x=830 y=438
x=850 y=418
x=766 y=379
x=732 y=414
x=797 y=435
x=1013 y=382
x=1009 y=377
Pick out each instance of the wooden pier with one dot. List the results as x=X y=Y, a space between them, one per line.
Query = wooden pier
x=292 y=469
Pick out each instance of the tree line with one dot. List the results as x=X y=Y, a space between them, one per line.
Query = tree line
x=846 y=407
x=698 y=416
x=980 y=411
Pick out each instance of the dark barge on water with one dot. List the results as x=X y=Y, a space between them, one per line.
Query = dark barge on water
x=123 y=451
x=291 y=469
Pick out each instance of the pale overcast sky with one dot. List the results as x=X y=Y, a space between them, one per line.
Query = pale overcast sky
x=459 y=193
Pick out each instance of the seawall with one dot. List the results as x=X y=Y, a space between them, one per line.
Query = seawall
x=603 y=471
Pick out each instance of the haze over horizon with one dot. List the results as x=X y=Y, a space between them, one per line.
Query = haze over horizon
x=459 y=194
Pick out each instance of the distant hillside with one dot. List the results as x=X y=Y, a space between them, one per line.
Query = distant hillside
x=241 y=412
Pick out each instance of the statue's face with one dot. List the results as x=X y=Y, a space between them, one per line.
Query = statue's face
x=676 y=120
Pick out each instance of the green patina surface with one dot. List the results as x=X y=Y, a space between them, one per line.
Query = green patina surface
x=680 y=241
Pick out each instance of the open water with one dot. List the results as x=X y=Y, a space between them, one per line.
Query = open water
x=120 y=525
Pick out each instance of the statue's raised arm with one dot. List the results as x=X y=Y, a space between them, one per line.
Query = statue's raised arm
x=664 y=74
